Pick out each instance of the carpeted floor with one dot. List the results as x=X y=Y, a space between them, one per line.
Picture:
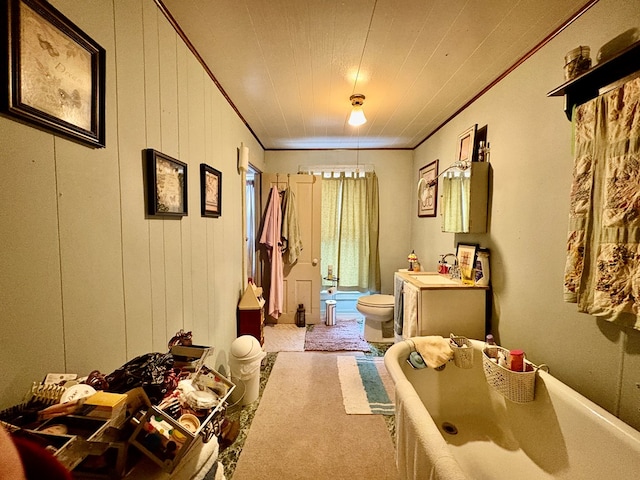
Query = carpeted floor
x=229 y=456
x=284 y=338
x=346 y=335
x=301 y=430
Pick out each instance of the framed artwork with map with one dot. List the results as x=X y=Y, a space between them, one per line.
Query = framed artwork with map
x=55 y=72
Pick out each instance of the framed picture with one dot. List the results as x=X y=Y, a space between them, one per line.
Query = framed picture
x=166 y=185
x=55 y=73
x=466 y=255
x=427 y=193
x=210 y=191
x=466 y=143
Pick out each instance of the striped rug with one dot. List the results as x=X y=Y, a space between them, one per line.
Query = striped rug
x=366 y=385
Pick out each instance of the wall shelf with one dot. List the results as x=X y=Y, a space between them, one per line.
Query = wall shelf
x=600 y=78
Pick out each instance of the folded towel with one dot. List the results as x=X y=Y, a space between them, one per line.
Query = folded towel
x=434 y=350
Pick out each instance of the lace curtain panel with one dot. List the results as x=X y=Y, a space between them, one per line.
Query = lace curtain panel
x=602 y=273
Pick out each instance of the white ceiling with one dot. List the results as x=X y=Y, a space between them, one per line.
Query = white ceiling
x=289 y=66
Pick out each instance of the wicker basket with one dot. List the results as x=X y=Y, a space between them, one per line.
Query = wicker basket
x=518 y=387
x=462 y=351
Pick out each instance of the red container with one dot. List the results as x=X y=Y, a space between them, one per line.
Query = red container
x=516 y=360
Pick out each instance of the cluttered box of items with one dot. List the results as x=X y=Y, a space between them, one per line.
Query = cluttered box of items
x=157 y=406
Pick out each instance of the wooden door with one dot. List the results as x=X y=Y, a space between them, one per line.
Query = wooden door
x=302 y=280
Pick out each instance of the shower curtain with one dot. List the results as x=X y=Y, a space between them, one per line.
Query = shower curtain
x=349 y=231
x=602 y=273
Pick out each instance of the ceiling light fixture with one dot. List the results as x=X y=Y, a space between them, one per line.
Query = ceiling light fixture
x=357 y=117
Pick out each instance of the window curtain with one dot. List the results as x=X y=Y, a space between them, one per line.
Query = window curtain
x=349 y=232
x=250 y=196
x=602 y=273
x=456 y=189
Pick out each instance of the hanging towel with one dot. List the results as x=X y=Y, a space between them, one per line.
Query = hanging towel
x=410 y=296
x=290 y=228
x=270 y=238
x=398 y=311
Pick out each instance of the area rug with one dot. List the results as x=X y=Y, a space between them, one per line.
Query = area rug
x=301 y=431
x=345 y=335
x=366 y=385
x=284 y=337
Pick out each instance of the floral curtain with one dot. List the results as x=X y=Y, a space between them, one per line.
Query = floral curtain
x=602 y=273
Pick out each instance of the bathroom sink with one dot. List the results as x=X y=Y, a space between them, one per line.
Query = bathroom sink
x=435 y=279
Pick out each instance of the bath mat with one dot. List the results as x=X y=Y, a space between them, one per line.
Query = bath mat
x=366 y=385
x=284 y=337
x=346 y=334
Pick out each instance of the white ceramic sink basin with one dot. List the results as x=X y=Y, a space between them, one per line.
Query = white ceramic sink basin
x=435 y=279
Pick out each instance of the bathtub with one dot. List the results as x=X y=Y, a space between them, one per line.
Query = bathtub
x=451 y=425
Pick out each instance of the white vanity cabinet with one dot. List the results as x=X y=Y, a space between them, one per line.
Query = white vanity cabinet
x=436 y=305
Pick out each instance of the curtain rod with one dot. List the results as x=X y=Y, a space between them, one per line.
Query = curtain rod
x=334 y=168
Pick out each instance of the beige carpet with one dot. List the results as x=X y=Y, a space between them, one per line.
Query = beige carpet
x=284 y=337
x=301 y=431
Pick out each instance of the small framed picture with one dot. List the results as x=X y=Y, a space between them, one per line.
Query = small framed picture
x=466 y=145
x=210 y=191
x=466 y=255
x=428 y=190
x=54 y=74
x=166 y=185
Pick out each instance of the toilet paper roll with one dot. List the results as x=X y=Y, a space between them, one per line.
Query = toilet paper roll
x=332 y=290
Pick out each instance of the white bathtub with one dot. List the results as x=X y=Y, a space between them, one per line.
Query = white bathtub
x=559 y=435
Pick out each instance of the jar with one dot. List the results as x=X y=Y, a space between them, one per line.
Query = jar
x=516 y=360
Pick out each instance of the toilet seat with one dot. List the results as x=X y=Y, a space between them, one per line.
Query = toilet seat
x=377 y=301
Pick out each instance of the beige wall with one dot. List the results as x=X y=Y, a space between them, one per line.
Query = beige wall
x=87 y=281
x=532 y=167
x=395 y=184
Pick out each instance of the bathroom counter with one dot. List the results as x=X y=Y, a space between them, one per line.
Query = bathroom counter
x=434 y=281
x=434 y=304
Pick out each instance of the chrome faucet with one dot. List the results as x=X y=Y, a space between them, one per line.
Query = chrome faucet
x=452 y=270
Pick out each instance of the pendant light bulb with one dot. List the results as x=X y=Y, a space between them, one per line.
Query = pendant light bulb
x=357 y=117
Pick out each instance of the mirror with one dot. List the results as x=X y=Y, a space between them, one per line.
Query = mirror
x=465 y=198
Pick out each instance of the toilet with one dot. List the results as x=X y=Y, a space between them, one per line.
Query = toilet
x=378 y=317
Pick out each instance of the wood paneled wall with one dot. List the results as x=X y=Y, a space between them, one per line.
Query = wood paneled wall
x=88 y=280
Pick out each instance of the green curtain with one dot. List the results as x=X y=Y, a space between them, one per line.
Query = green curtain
x=349 y=232
x=456 y=189
x=602 y=272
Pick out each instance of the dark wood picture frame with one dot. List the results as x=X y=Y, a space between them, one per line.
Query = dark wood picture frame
x=54 y=73
x=166 y=185
x=210 y=191
x=466 y=254
x=428 y=195
x=465 y=150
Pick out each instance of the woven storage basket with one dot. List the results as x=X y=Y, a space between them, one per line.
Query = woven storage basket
x=518 y=387
x=462 y=351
